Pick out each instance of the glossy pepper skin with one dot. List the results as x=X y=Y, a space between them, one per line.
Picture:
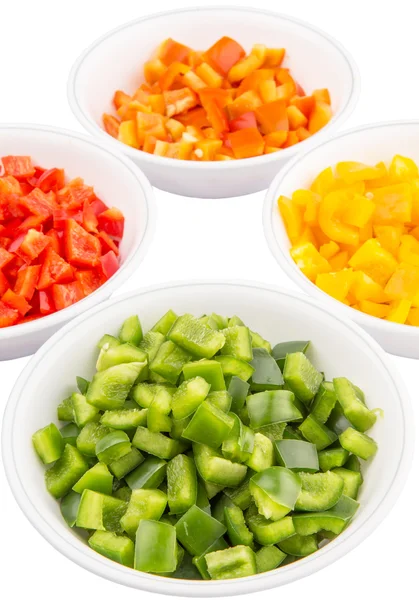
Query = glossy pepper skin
x=155 y=547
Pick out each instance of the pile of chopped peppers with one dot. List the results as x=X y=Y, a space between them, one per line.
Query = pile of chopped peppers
x=355 y=234
x=197 y=451
x=220 y=104
x=58 y=241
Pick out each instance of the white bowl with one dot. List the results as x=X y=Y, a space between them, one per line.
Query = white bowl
x=116 y=181
x=115 y=61
x=338 y=346
x=369 y=144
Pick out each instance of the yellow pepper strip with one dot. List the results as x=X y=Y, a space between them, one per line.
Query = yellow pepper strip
x=359 y=211
x=403 y=169
x=399 y=311
x=413 y=317
x=292 y=216
x=352 y=171
x=308 y=259
x=328 y=250
x=409 y=250
x=374 y=309
x=365 y=288
x=392 y=203
x=339 y=261
x=336 y=284
x=389 y=236
x=375 y=261
x=330 y=208
x=404 y=283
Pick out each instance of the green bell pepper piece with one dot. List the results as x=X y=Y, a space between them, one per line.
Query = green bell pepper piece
x=298 y=545
x=200 y=562
x=178 y=427
x=118 y=548
x=69 y=507
x=151 y=343
x=239 y=444
x=210 y=370
x=117 y=355
x=241 y=495
x=231 y=563
x=157 y=444
x=83 y=412
x=202 y=500
x=291 y=434
x=275 y=491
x=131 y=331
x=113 y=446
x=281 y=350
x=186 y=569
x=70 y=433
x=110 y=388
x=98 y=511
x=274 y=431
x=332 y=457
x=262 y=456
x=197 y=531
x=301 y=376
x=196 y=337
x=212 y=489
x=212 y=467
x=267 y=532
x=276 y=406
x=143 y=504
x=334 y=520
x=222 y=400
x=48 y=443
x=267 y=375
x=126 y=463
x=181 y=484
x=169 y=361
x=165 y=323
x=147 y=475
x=209 y=426
x=317 y=433
x=144 y=393
x=353 y=464
x=68 y=469
x=354 y=409
x=107 y=341
x=97 y=479
x=233 y=366
x=158 y=413
x=88 y=437
x=238 y=343
x=319 y=491
x=352 y=481
x=337 y=421
x=269 y=558
x=237 y=529
x=324 y=402
x=238 y=389
x=123 y=493
x=124 y=418
x=259 y=342
x=82 y=385
x=65 y=410
x=189 y=395
x=358 y=443
x=297 y=455
x=218 y=507
x=155 y=547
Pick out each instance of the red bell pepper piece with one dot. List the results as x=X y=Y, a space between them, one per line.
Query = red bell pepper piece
x=80 y=247
x=245 y=120
x=5 y=257
x=8 y=316
x=51 y=180
x=30 y=245
x=98 y=206
x=56 y=237
x=66 y=294
x=109 y=264
x=90 y=280
x=224 y=54
x=107 y=243
x=16 y=301
x=90 y=221
x=32 y=222
x=20 y=167
x=112 y=222
x=4 y=283
x=46 y=302
x=54 y=270
x=39 y=203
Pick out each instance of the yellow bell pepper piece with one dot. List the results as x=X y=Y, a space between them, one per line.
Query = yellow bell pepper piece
x=375 y=261
x=392 y=203
x=415 y=201
x=308 y=236
x=352 y=171
x=413 y=317
x=337 y=284
x=328 y=250
x=404 y=283
x=409 y=250
x=293 y=218
x=308 y=259
x=403 y=169
x=399 y=311
x=389 y=236
x=365 y=233
x=324 y=183
x=128 y=133
x=359 y=211
x=370 y=184
x=365 y=288
x=331 y=206
x=339 y=261
x=373 y=309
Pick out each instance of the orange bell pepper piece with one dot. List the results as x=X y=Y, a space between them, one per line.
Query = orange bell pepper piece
x=304 y=103
x=171 y=73
x=302 y=134
x=296 y=118
x=322 y=95
x=247 y=65
x=319 y=117
x=330 y=209
x=267 y=91
x=151 y=123
x=197 y=117
x=392 y=203
x=276 y=139
x=209 y=75
x=272 y=117
x=224 y=54
x=245 y=120
x=274 y=57
x=120 y=98
x=309 y=261
x=292 y=139
x=253 y=81
x=149 y=143
x=246 y=143
x=375 y=261
x=247 y=102
x=207 y=149
x=180 y=150
x=111 y=125
x=175 y=128
x=193 y=81
x=128 y=134
x=337 y=284
x=214 y=102
x=171 y=51
x=179 y=101
x=153 y=70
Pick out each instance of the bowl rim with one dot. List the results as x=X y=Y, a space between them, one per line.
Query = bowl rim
x=125 y=270
x=281 y=254
x=337 y=120
x=177 y=587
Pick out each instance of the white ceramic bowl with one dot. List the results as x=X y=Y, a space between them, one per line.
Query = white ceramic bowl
x=115 y=61
x=116 y=181
x=370 y=144
x=338 y=346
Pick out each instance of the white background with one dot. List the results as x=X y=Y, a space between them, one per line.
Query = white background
x=206 y=239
